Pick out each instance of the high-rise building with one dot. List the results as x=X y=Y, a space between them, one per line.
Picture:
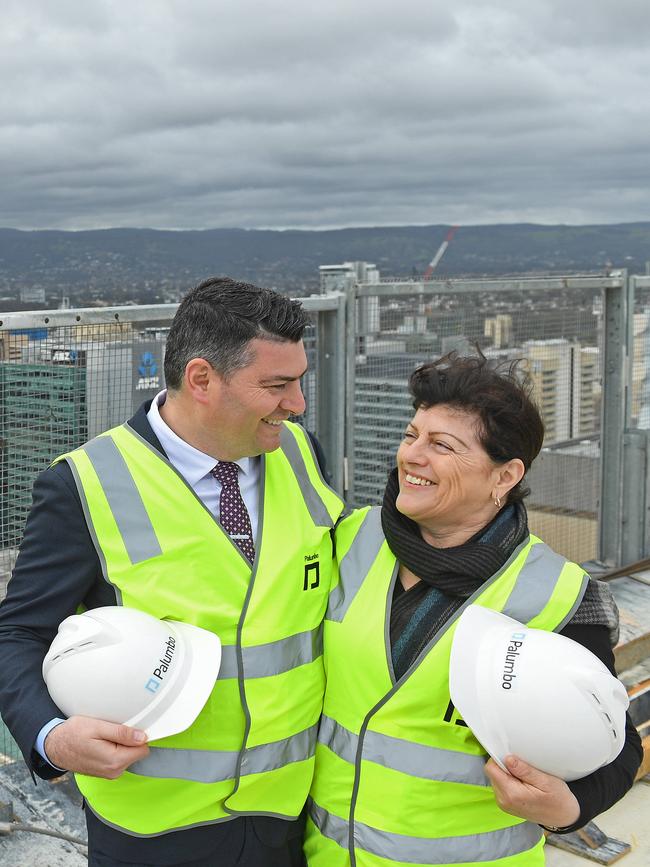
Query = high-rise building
x=338 y=278
x=382 y=409
x=341 y=278
x=498 y=329
x=565 y=378
x=43 y=414
x=32 y=294
x=13 y=344
x=640 y=409
x=57 y=393
x=586 y=395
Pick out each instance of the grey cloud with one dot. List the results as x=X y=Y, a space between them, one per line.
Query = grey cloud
x=304 y=114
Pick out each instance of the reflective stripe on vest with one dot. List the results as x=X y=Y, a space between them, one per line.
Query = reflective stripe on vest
x=355 y=565
x=124 y=499
x=266 y=660
x=128 y=509
x=251 y=749
x=313 y=501
x=214 y=766
x=416 y=760
x=470 y=848
x=535 y=583
x=532 y=591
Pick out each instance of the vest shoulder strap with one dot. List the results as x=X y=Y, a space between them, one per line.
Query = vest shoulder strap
x=323 y=503
x=364 y=526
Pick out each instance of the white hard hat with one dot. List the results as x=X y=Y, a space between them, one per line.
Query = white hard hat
x=536 y=695
x=125 y=666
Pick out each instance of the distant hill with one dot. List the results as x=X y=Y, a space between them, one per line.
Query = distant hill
x=137 y=263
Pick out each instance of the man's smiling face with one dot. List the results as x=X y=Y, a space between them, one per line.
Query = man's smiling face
x=248 y=408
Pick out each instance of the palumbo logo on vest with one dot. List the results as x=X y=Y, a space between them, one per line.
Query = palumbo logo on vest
x=311 y=578
x=164 y=664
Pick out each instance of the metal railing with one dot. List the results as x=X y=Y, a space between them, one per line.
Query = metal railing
x=66 y=375
x=588 y=487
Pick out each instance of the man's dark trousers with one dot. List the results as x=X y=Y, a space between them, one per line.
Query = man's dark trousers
x=247 y=841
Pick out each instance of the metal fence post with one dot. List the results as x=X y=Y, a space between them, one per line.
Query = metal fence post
x=645 y=551
x=636 y=480
x=330 y=373
x=633 y=512
x=350 y=378
x=616 y=313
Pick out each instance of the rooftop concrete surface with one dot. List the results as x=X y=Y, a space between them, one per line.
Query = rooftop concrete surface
x=50 y=806
x=628 y=821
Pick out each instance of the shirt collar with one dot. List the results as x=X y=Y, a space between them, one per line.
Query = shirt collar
x=189 y=461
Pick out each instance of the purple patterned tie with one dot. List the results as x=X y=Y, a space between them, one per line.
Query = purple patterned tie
x=233 y=514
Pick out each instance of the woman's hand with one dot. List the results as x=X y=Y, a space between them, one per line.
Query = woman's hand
x=532 y=794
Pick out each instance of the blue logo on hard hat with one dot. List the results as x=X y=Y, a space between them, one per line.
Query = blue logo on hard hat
x=164 y=664
x=152 y=685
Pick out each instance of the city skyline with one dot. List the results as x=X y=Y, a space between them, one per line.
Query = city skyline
x=557 y=338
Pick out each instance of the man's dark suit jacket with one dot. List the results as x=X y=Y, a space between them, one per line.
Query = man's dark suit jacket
x=57 y=569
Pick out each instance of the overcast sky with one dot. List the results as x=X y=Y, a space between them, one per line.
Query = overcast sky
x=294 y=113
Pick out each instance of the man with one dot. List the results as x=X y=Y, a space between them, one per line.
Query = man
x=129 y=519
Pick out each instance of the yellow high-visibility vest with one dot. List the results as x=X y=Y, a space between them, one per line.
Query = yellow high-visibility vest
x=251 y=749
x=399 y=777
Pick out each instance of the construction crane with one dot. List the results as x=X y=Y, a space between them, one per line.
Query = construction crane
x=433 y=264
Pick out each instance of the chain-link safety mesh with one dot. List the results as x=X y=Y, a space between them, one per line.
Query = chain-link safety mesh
x=639 y=394
x=557 y=335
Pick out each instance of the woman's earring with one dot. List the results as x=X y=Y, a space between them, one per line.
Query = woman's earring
x=497 y=502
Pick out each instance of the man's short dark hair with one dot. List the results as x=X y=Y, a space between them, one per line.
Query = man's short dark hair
x=217 y=320
x=498 y=394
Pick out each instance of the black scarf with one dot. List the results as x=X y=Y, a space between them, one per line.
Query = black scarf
x=457 y=571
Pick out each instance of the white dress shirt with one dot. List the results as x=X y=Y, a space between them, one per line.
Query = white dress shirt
x=195 y=466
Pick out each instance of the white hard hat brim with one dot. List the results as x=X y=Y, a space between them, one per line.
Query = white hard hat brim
x=194 y=682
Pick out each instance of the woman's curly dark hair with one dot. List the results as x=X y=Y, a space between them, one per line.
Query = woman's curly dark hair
x=498 y=394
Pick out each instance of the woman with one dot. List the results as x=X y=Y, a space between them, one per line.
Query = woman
x=400 y=779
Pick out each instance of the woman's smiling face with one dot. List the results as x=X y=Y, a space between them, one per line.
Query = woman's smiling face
x=446 y=478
